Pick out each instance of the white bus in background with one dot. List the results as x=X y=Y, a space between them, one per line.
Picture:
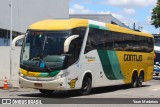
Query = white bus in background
x=157 y=55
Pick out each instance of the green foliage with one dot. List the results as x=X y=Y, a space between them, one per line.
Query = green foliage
x=156 y=15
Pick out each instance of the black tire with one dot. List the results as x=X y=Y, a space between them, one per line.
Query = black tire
x=86 y=86
x=140 y=79
x=134 y=80
x=157 y=74
x=46 y=92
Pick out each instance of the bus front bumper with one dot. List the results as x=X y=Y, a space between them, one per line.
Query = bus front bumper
x=59 y=84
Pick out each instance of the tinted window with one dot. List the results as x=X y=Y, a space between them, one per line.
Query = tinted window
x=108 y=40
x=99 y=39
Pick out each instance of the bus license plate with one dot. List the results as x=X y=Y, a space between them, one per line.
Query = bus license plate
x=37 y=84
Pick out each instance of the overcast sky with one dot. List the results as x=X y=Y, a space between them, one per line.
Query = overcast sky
x=128 y=11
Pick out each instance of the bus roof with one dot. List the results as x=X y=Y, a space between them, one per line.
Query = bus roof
x=61 y=24
x=117 y=28
x=66 y=24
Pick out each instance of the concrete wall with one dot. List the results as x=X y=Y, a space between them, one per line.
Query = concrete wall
x=26 y=12
x=5 y=64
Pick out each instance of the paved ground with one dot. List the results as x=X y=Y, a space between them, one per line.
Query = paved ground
x=150 y=89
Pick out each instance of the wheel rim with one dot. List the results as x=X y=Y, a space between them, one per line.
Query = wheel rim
x=134 y=80
x=140 y=79
x=85 y=86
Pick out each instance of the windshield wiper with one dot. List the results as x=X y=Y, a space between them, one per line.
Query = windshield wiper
x=52 y=68
x=28 y=68
x=66 y=54
x=48 y=68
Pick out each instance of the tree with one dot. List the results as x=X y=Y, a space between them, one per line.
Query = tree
x=155 y=19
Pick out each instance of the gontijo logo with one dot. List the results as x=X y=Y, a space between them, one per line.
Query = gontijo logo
x=132 y=57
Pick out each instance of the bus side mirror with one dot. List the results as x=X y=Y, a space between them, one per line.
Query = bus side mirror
x=15 y=40
x=68 y=41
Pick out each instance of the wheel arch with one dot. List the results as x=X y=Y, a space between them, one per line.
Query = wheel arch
x=134 y=71
x=89 y=74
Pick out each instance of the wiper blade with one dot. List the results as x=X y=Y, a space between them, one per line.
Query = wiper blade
x=28 y=68
x=48 y=68
x=52 y=68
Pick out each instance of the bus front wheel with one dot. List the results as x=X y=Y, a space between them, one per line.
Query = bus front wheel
x=86 y=86
x=134 y=80
x=46 y=92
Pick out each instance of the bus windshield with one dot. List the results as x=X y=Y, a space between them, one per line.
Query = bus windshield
x=44 y=50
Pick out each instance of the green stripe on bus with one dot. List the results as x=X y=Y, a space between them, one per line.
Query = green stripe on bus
x=110 y=64
x=103 y=28
x=43 y=75
x=51 y=74
x=116 y=69
x=98 y=27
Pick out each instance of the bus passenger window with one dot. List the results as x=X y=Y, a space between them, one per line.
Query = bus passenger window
x=91 y=43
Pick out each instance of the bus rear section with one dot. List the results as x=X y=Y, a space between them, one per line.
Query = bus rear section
x=119 y=56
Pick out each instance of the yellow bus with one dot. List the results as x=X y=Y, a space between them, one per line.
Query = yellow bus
x=80 y=54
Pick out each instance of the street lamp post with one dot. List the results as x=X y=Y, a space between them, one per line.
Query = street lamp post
x=11 y=45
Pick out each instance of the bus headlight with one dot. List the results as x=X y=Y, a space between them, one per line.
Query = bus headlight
x=64 y=74
x=20 y=74
x=61 y=75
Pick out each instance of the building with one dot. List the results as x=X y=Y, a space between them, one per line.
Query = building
x=107 y=18
x=26 y=12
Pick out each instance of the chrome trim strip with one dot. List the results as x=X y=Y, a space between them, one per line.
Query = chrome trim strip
x=39 y=78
